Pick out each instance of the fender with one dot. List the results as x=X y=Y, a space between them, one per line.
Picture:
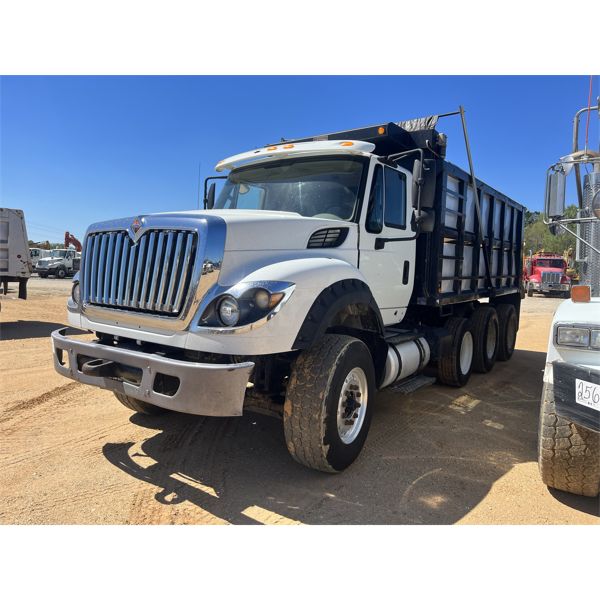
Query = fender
x=366 y=322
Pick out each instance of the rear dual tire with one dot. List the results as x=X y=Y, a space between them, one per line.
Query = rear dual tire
x=486 y=333
x=456 y=362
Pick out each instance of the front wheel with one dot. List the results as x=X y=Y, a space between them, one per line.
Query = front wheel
x=568 y=454
x=139 y=406
x=61 y=273
x=329 y=403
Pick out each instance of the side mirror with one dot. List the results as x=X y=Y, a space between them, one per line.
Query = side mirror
x=555 y=194
x=428 y=175
x=209 y=201
x=417 y=183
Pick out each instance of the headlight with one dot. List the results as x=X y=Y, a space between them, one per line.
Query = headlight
x=229 y=311
x=76 y=293
x=573 y=336
x=246 y=304
x=262 y=298
x=595 y=340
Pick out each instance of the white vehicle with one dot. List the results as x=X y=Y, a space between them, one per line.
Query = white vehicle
x=328 y=268
x=36 y=254
x=15 y=263
x=569 y=430
x=60 y=263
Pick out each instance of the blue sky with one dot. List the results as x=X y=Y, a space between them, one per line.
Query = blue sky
x=75 y=150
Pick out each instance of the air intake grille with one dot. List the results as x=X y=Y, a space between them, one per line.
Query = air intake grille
x=152 y=275
x=551 y=277
x=328 y=238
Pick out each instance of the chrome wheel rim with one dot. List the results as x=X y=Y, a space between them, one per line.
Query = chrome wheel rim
x=352 y=405
x=466 y=353
x=492 y=338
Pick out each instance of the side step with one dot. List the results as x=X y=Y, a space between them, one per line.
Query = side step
x=412 y=384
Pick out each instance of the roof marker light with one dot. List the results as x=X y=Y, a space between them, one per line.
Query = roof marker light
x=288 y=146
x=581 y=293
x=381 y=130
x=272 y=148
x=346 y=143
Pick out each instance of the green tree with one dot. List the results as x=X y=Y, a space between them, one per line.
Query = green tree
x=538 y=237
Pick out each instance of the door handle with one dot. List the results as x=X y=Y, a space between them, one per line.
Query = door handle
x=381 y=242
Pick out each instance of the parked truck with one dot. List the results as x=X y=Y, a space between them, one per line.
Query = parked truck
x=569 y=427
x=15 y=263
x=61 y=262
x=36 y=254
x=546 y=273
x=328 y=268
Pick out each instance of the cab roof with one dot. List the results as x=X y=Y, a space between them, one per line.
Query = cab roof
x=288 y=149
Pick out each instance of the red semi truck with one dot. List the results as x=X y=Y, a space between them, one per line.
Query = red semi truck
x=546 y=273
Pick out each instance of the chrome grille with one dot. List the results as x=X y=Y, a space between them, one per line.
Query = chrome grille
x=551 y=277
x=152 y=275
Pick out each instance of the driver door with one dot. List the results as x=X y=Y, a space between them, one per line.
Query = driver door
x=387 y=242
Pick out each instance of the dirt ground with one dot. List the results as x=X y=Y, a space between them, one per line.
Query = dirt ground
x=73 y=454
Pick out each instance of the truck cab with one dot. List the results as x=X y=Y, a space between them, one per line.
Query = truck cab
x=546 y=273
x=326 y=268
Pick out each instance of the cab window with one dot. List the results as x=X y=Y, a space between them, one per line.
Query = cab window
x=374 y=222
x=395 y=199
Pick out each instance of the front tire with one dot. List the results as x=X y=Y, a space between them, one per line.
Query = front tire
x=61 y=273
x=139 y=406
x=329 y=403
x=529 y=292
x=568 y=454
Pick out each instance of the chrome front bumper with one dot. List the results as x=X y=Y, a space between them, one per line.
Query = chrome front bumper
x=215 y=390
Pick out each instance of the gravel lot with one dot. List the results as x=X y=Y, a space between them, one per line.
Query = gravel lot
x=73 y=454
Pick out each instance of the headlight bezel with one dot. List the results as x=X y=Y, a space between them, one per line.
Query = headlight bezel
x=76 y=293
x=252 y=314
x=577 y=336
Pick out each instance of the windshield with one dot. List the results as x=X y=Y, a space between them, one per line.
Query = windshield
x=58 y=253
x=550 y=263
x=325 y=187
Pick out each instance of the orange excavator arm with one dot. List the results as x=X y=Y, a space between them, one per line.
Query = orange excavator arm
x=70 y=239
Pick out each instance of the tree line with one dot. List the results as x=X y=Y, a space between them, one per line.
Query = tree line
x=537 y=235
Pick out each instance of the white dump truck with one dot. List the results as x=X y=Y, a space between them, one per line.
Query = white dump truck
x=569 y=429
x=327 y=268
x=15 y=262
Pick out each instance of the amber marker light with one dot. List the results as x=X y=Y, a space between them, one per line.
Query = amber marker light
x=381 y=130
x=347 y=144
x=272 y=148
x=581 y=293
x=288 y=146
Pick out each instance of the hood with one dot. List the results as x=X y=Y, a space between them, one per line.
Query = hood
x=49 y=261
x=549 y=270
x=250 y=230
x=274 y=230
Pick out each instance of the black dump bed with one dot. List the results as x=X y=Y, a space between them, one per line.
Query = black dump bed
x=453 y=265
x=457 y=259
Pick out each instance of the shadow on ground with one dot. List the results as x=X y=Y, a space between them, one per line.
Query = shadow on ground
x=21 y=330
x=430 y=457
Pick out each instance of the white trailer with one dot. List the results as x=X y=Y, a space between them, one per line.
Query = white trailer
x=15 y=261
